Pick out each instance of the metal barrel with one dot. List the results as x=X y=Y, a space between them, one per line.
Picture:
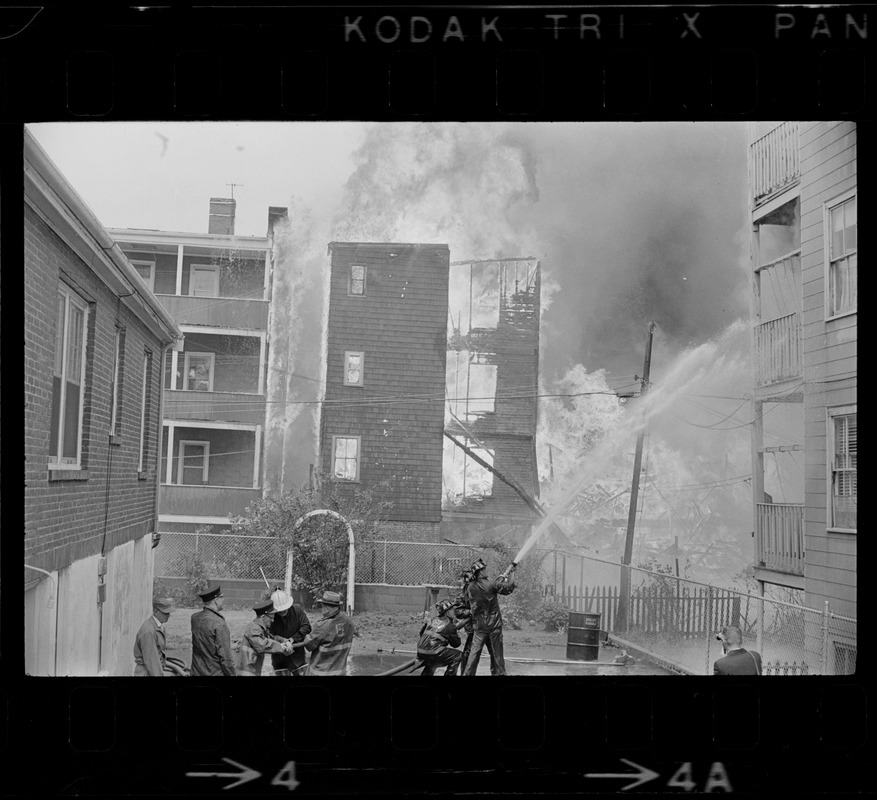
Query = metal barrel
x=583 y=636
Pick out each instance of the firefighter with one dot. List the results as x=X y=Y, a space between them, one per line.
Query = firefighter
x=257 y=640
x=463 y=613
x=290 y=622
x=211 y=638
x=483 y=596
x=329 y=641
x=438 y=640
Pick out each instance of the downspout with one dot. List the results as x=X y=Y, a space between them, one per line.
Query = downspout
x=156 y=536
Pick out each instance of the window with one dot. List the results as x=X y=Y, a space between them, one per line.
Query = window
x=353 y=364
x=844 y=491
x=145 y=412
x=842 y=241
x=118 y=378
x=198 y=368
x=193 y=462
x=345 y=458
x=68 y=384
x=357 y=280
x=204 y=281
x=146 y=270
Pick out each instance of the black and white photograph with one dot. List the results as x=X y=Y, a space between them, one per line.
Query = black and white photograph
x=425 y=398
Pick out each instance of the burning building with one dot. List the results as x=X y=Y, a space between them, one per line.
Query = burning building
x=430 y=388
x=492 y=378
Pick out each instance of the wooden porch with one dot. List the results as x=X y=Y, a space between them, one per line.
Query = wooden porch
x=780 y=538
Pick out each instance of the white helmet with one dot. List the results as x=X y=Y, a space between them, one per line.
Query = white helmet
x=281 y=600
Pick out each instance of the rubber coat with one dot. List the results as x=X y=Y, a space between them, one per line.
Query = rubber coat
x=329 y=644
x=255 y=643
x=436 y=635
x=211 y=645
x=482 y=594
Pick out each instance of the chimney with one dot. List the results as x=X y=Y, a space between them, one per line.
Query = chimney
x=221 y=216
x=275 y=214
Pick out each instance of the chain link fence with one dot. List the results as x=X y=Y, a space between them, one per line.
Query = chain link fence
x=416 y=563
x=677 y=620
x=222 y=556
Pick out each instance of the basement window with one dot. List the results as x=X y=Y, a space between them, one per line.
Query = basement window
x=357 y=280
x=353 y=364
x=345 y=458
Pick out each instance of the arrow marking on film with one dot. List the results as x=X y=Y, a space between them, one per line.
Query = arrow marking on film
x=242 y=777
x=643 y=775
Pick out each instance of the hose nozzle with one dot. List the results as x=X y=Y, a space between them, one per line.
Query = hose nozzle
x=509 y=570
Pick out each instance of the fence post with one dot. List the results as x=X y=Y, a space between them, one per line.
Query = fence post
x=708 y=626
x=385 y=562
x=824 y=666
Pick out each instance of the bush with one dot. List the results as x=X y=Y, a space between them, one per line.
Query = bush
x=553 y=616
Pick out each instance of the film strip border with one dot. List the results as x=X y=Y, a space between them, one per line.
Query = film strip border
x=427 y=62
x=530 y=737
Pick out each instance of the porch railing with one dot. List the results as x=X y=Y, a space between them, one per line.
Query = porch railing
x=223 y=312
x=775 y=162
x=778 y=349
x=780 y=537
x=205 y=501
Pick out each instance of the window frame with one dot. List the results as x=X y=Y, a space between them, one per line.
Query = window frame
x=145 y=398
x=118 y=383
x=212 y=359
x=347 y=354
x=214 y=268
x=141 y=262
x=827 y=207
x=351 y=280
x=58 y=461
x=832 y=414
x=205 y=468
x=358 y=459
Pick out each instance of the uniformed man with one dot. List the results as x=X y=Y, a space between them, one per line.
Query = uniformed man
x=292 y=623
x=211 y=638
x=439 y=640
x=258 y=640
x=482 y=594
x=329 y=642
x=151 y=642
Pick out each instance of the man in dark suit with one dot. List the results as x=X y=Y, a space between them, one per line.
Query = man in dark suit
x=737 y=659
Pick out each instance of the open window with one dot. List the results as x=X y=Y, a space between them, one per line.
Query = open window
x=199 y=370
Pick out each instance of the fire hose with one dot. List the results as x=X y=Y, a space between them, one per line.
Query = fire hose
x=415 y=663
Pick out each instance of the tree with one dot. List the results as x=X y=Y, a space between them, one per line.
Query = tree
x=320 y=543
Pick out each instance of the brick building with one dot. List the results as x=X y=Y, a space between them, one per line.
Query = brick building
x=94 y=342
x=382 y=414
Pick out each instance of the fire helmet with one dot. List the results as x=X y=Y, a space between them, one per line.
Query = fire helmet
x=281 y=600
x=443 y=606
x=477 y=566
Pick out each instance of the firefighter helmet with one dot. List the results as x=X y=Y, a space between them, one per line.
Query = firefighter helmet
x=443 y=606
x=477 y=566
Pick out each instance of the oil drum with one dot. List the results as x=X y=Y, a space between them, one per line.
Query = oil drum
x=583 y=636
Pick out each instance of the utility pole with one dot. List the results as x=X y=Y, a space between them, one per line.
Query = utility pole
x=621 y=618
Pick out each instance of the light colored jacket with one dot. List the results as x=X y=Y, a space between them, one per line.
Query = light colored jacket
x=149 y=649
x=329 y=645
x=255 y=643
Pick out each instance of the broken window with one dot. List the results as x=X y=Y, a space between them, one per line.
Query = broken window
x=357 y=280
x=353 y=364
x=470 y=385
x=463 y=478
x=345 y=458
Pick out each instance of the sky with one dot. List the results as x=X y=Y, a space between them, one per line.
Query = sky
x=633 y=222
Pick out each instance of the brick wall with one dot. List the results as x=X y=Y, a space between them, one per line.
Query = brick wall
x=65 y=520
x=400 y=325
